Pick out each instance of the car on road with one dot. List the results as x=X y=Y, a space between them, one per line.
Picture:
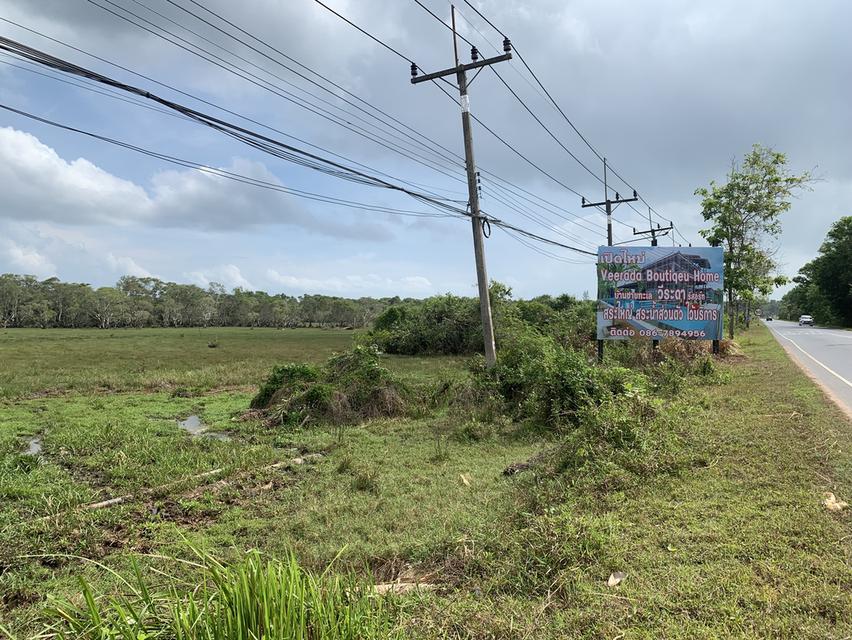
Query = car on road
x=769 y=318
x=806 y=320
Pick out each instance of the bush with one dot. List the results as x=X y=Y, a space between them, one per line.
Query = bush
x=441 y=325
x=284 y=380
x=350 y=387
x=542 y=381
x=451 y=325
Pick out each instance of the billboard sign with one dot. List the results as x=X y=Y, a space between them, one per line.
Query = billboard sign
x=660 y=292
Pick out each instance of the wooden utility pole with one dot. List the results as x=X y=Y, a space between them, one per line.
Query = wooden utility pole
x=476 y=219
x=610 y=204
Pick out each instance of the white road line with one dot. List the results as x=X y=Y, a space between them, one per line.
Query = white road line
x=831 y=371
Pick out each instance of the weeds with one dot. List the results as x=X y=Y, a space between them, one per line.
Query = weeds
x=441 y=451
x=366 y=480
x=256 y=598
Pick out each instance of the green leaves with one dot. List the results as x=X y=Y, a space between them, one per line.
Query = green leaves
x=824 y=285
x=745 y=217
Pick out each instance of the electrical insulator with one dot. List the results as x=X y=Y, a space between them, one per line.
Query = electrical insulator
x=507 y=45
x=474 y=54
x=413 y=70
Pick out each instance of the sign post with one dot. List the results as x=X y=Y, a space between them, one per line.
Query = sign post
x=660 y=292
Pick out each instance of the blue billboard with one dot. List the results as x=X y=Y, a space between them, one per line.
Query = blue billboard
x=660 y=292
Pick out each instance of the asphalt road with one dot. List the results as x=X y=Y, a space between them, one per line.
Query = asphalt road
x=826 y=353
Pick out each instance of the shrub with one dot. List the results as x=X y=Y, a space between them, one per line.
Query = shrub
x=286 y=379
x=451 y=325
x=350 y=387
x=439 y=325
x=542 y=381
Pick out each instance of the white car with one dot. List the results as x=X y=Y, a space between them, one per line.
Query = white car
x=806 y=320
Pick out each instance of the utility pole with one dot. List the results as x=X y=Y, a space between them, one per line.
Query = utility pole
x=610 y=204
x=655 y=233
x=659 y=232
x=476 y=219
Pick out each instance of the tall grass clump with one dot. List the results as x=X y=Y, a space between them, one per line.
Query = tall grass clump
x=257 y=598
x=350 y=387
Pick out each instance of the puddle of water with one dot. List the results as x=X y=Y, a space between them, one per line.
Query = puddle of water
x=34 y=446
x=193 y=426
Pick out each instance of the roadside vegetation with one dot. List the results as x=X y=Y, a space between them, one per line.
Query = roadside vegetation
x=823 y=287
x=419 y=495
x=744 y=215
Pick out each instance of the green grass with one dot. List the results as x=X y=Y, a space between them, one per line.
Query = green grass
x=42 y=361
x=738 y=547
x=38 y=361
x=256 y=598
x=737 y=544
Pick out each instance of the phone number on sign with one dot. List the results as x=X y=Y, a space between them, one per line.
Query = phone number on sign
x=671 y=333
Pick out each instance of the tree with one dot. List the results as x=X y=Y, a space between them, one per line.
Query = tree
x=824 y=285
x=109 y=307
x=11 y=293
x=745 y=215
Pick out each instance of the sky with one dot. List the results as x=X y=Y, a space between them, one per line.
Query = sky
x=669 y=92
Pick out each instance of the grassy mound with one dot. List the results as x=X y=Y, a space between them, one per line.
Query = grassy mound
x=349 y=387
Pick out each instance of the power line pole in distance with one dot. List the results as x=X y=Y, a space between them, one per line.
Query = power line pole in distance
x=609 y=204
x=460 y=71
x=655 y=233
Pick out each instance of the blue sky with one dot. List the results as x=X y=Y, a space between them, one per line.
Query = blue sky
x=670 y=93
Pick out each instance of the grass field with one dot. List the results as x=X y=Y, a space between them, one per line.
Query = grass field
x=737 y=544
x=39 y=361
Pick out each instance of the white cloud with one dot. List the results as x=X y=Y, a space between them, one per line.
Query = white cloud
x=228 y=275
x=39 y=185
x=27 y=259
x=353 y=284
x=126 y=265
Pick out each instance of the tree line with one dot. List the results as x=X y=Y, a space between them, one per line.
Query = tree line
x=26 y=301
x=824 y=285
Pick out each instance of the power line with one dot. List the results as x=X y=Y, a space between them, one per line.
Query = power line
x=205 y=101
x=512 y=201
x=256 y=80
x=231 y=175
x=518 y=98
x=543 y=126
x=453 y=156
x=564 y=115
x=455 y=100
x=256 y=140
x=81 y=85
x=259 y=141
x=544 y=252
x=509 y=187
